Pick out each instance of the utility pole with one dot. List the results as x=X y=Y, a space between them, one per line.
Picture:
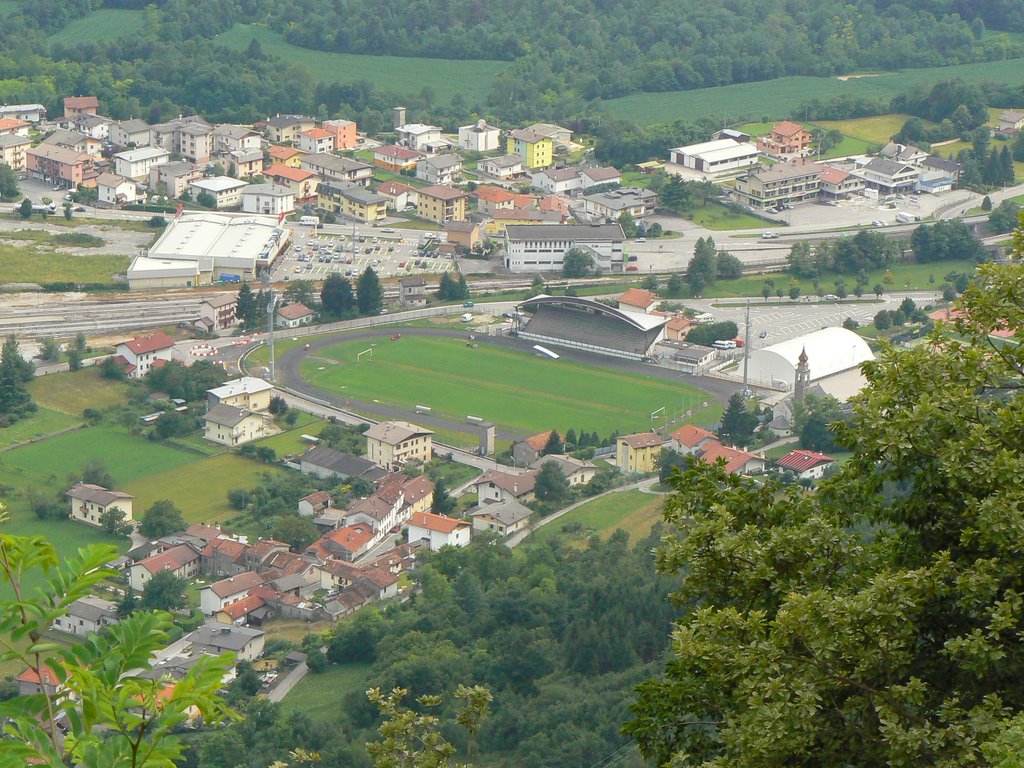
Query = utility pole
x=746 y=350
x=270 y=321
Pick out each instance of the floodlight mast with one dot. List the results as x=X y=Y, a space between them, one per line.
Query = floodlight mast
x=271 y=299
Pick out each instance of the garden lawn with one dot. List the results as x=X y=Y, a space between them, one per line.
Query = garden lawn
x=73 y=392
x=716 y=216
x=632 y=511
x=43 y=422
x=200 y=488
x=516 y=390
x=290 y=441
x=320 y=696
x=101 y=26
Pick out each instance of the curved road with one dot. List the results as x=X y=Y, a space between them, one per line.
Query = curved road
x=289 y=375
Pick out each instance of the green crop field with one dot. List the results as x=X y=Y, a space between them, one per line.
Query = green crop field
x=782 y=97
x=876 y=130
x=101 y=26
x=43 y=422
x=73 y=392
x=36 y=264
x=389 y=73
x=632 y=511
x=516 y=390
x=319 y=696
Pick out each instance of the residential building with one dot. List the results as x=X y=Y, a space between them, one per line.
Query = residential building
x=268 y=199
x=232 y=426
x=501 y=219
x=502 y=517
x=412 y=292
x=936 y=174
x=130 y=133
x=787 y=183
x=317 y=140
x=293 y=316
x=536 y=248
x=315 y=504
x=345 y=133
x=32 y=113
x=381 y=514
x=505 y=167
x=690 y=439
x=189 y=137
x=114 y=191
x=217 y=313
x=290 y=156
x=491 y=199
x=576 y=471
x=806 y=465
x=216 y=596
x=396 y=444
x=837 y=184
x=242 y=163
x=464 y=234
x=479 y=137
x=327 y=462
x=638 y=300
x=352 y=201
x=244 y=643
x=440 y=169
x=638 y=454
x=599 y=174
x=143 y=353
x=636 y=201
x=737 y=462
x=87 y=615
x=557 y=181
x=76 y=141
x=182 y=560
x=80 y=105
x=1010 y=121
x=535 y=149
x=396 y=159
x=225 y=557
x=440 y=203
x=30 y=683
x=903 y=153
x=418 y=136
x=94 y=126
x=786 y=139
x=11 y=127
x=677 y=328
x=245 y=392
x=439 y=531
x=301 y=182
x=137 y=163
x=400 y=196
x=13 y=150
x=412 y=494
x=60 y=166
x=888 y=177
x=172 y=179
x=228 y=138
x=494 y=485
x=345 y=544
x=334 y=168
x=287 y=128
x=556 y=133
x=226 y=191
x=716 y=159
x=527 y=451
x=89 y=502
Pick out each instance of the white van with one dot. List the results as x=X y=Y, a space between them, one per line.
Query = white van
x=309 y=221
x=724 y=344
x=467 y=317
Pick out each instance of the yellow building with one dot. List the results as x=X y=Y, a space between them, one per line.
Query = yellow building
x=12 y=151
x=352 y=201
x=396 y=444
x=440 y=203
x=638 y=453
x=247 y=392
x=535 y=150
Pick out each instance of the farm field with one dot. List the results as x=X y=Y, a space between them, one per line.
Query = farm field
x=515 y=390
x=782 y=97
x=101 y=26
x=319 y=696
x=36 y=264
x=877 y=129
x=399 y=75
x=632 y=511
x=43 y=422
x=72 y=393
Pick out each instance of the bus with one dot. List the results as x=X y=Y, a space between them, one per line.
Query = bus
x=309 y=221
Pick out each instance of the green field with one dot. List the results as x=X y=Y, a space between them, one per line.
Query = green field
x=878 y=129
x=101 y=26
x=37 y=264
x=319 y=696
x=43 y=422
x=716 y=216
x=632 y=511
x=850 y=144
x=396 y=74
x=517 y=391
x=782 y=97
x=72 y=393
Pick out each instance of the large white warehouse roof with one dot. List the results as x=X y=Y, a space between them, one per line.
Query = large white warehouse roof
x=829 y=351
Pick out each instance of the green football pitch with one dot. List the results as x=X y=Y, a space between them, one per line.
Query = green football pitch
x=518 y=391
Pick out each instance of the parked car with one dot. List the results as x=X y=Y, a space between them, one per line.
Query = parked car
x=468 y=304
x=632 y=268
x=769 y=235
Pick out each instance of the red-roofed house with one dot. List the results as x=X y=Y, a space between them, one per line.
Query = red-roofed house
x=343 y=544
x=80 y=105
x=289 y=156
x=638 y=300
x=11 y=127
x=183 y=561
x=527 y=451
x=677 y=328
x=396 y=159
x=294 y=315
x=302 y=183
x=639 y=453
x=224 y=557
x=30 y=682
x=248 y=610
x=214 y=597
x=786 y=138
x=689 y=439
x=315 y=504
x=806 y=465
x=143 y=353
x=737 y=462
x=399 y=195
x=439 y=531
x=837 y=184
x=491 y=198
x=317 y=140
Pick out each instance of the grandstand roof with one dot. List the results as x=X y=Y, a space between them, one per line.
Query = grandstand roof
x=587 y=324
x=640 y=322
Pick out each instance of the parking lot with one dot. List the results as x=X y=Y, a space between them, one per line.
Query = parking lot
x=391 y=254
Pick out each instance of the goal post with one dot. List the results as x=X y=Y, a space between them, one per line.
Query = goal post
x=359 y=357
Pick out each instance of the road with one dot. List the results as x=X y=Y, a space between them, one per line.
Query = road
x=289 y=681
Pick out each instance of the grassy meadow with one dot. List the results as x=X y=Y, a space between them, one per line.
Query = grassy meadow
x=632 y=511
x=103 y=25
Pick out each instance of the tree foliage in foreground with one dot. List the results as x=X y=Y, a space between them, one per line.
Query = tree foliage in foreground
x=878 y=621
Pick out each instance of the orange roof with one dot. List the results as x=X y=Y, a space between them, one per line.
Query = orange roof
x=801 y=461
x=637 y=297
x=243 y=607
x=81 y=102
x=287 y=172
x=735 y=459
x=31 y=676
x=524 y=201
x=319 y=133
x=493 y=194
x=380 y=577
x=7 y=123
x=553 y=203
x=537 y=442
x=284 y=153
x=397 y=153
x=439 y=523
x=787 y=128
x=294 y=311
x=227 y=547
x=680 y=323
x=394 y=188
x=690 y=435
x=352 y=537
x=142 y=344
x=833 y=175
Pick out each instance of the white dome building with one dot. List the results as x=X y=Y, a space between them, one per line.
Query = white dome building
x=830 y=352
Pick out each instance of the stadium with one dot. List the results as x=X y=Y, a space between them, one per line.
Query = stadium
x=588 y=325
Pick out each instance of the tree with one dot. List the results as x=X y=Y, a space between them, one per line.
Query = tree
x=68 y=215
x=369 y=293
x=245 y=307
x=728 y=267
x=902 y=646
x=99 y=674
x=115 y=521
x=649 y=283
x=554 y=444
x=300 y=292
x=8 y=183
x=80 y=343
x=336 y=297
x=295 y=531
x=164 y=592
x=1004 y=218
x=550 y=485
x=801 y=263
x=443 y=502
x=74 y=359
x=812 y=420
x=537 y=286
x=206 y=200
x=25 y=209
x=49 y=350
x=577 y=263
x=451 y=288
x=628 y=224
x=702 y=269
x=674 y=286
x=708 y=333
x=15 y=372
x=737 y=422
x=986 y=203
x=162 y=518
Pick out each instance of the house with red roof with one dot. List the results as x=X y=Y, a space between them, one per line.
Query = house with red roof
x=182 y=560
x=143 y=353
x=439 y=531
x=400 y=196
x=290 y=156
x=214 y=597
x=527 y=451
x=294 y=315
x=224 y=557
x=638 y=300
x=31 y=682
x=344 y=544
x=315 y=504
x=396 y=159
x=249 y=610
x=317 y=140
x=80 y=105
x=806 y=465
x=837 y=184
x=301 y=182
x=737 y=462
x=689 y=439
x=787 y=139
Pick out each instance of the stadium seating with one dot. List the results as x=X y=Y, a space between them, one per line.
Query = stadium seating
x=587 y=330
